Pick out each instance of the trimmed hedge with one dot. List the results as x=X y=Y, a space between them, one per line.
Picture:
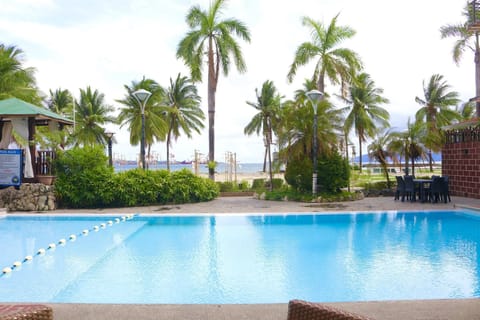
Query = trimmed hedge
x=84 y=180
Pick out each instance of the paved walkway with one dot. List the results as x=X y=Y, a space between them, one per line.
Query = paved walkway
x=389 y=310
x=252 y=205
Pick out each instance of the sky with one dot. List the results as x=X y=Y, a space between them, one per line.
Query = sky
x=107 y=44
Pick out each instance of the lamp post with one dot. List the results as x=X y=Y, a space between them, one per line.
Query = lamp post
x=314 y=96
x=109 y=137
x=142 y=96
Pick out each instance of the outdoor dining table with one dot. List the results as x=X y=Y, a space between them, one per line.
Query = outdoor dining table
x=422 y=183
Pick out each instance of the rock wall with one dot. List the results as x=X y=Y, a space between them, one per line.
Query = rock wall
x=29 y=197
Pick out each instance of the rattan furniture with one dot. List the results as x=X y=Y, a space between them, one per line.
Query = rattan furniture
x=303 y=310
x=25 y=312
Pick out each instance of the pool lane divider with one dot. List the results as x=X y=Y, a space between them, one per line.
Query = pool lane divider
x=62 y=242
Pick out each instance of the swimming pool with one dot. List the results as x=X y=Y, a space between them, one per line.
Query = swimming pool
x=241 y=258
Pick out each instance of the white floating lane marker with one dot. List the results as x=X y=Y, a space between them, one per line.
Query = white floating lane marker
x=6 y=270
x=95 y=228
x=52 y=246
x=72 y=237
x=85 y=232
x=62 y=242
x=17 y=264
x=110 y=222
x=117 y=220
x=41 y=251
x=103 y=225
x=28 y=258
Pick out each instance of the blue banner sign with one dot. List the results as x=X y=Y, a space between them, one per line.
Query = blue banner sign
x=10 y=167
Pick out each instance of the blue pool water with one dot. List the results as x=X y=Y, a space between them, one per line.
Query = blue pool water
x=242 y=258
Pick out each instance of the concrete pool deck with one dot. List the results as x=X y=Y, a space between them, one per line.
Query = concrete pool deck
x=388 y=310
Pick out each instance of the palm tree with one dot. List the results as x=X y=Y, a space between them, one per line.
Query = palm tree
x=379 y=151
x=131 y=114
x=93 y=113
x=211 y=36
x=408 y=144
x=366 y=114
x=466 y=40
x=60 y=102
x=183 y=112
x=16 y=80
x=296 y=126
x=467 y=110
x=436 y=111
x=338 y=64
x=268 y=106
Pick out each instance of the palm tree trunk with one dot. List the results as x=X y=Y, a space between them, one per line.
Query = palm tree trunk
x=168 y=150
x=211 y=109
x=430 y=160
x=265 y=160
x=477 y=74
x=360 y=152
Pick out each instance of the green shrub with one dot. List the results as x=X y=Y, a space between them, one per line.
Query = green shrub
x=243 y=185
x=298 y=174
x=226 y=186
x=258 y=184
x=84 y=179
x=333 y=173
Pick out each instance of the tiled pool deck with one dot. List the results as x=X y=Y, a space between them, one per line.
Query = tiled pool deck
x=415 y=309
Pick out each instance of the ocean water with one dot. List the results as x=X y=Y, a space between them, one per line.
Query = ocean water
x=221 y=167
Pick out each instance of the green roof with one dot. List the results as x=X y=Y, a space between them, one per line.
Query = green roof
x=16 y=108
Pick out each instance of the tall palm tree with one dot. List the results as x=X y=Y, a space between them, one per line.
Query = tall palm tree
x=366 y=113
x=183 y=112
x=334 y=62
x=466 y=40
x=268 y=106
x=214 y=37
x=131 y=114
x=15 y=79
x=93 y=114
x=436 y=111
x=379 y=150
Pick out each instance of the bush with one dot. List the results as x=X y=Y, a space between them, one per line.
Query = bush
x=298 y=174
x=333 y=173
x=84 y=180
x=258 y=184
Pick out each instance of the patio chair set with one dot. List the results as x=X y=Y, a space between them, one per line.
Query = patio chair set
x=431 y=190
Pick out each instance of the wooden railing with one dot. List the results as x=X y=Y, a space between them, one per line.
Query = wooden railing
x=44 y=163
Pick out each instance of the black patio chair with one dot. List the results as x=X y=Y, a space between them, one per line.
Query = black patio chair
x=436 y=189
x=445 y=193
x=400 y=188
x=410 y=189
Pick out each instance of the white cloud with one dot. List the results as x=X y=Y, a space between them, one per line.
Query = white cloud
x=108 y=44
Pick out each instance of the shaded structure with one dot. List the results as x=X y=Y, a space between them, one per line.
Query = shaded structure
x=23 y=118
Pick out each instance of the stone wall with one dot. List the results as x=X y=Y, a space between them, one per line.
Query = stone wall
x=29 y=197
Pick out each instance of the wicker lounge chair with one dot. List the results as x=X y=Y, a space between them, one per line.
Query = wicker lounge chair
x=25 y=312
x=303 y=310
